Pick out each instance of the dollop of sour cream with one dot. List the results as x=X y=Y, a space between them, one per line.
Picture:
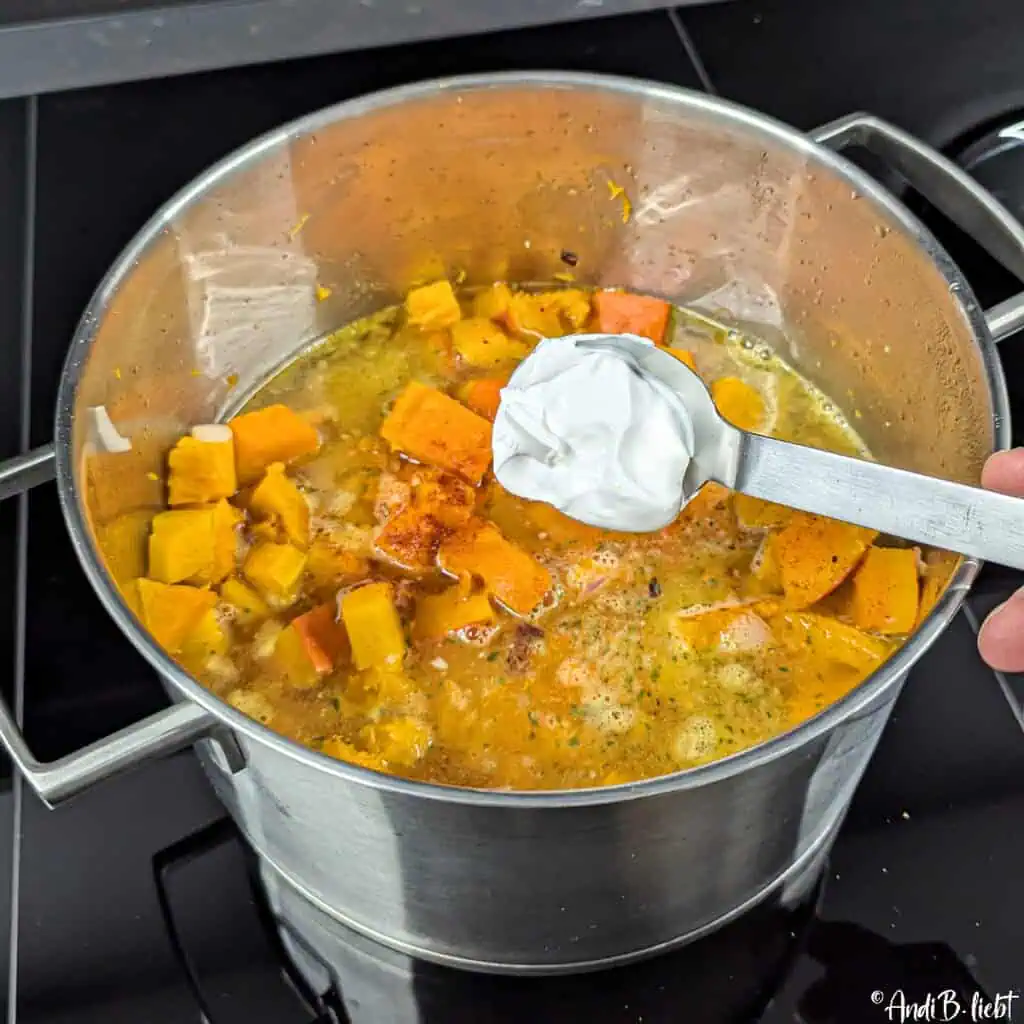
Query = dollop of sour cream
x=587 y=432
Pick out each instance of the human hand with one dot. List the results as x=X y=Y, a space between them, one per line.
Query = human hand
x=1001 y=640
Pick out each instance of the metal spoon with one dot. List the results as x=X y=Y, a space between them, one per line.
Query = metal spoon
x=925 y=509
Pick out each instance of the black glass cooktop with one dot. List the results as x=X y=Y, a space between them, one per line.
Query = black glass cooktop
x=134 y=903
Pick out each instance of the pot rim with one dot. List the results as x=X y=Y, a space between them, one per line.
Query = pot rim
x=855 y=702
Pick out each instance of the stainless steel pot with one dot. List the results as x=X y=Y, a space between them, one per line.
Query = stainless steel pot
x=494 y=177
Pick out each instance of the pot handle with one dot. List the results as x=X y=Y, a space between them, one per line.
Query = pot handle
x=26 y=471
x=950 y=190
x=164 y=732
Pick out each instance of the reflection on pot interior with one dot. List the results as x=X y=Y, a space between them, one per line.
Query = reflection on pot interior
x=339 y=563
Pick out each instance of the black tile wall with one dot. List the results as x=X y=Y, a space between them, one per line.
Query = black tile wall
x=108 y=158
x=934 y=68
x=12 y=240
x=12 y=254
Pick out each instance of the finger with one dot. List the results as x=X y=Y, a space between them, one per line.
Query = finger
x=1001 y=639
x=1004 y=472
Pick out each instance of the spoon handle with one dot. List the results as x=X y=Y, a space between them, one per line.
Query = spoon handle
x=927 y=510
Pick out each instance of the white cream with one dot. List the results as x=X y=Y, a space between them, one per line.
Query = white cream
x=584 y=430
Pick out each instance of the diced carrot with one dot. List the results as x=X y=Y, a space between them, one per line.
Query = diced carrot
x=626 y=313
x=815 y=555
x=324 y=636
x=277 y=498
x=427 y=425
x=438 y=615
x=483 y=395
x=886 y=591
x=481 y=342
x=739 y=403
x=684 y=355
x=411 y=538
x=443 y=496
x=202 y=466
x=510 y=574
x=171 y=612
x=273 y=434
x=373 y=627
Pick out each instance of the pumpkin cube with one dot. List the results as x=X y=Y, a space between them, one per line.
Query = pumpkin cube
x=815 y=555
x=207 y=639
x=410 y=538
x=373 y=626
x=278 y=499
x=202 y=466
x=273 y=434
x=171 y=612
x=481 y=342
x=438 y=615
x=547 y=314
x=432 y=306
x=247 y=607
x=329 y=565
x=431 y=427
x=805 y=632
x=621 y=312
x=444 y=497
x=492 y=303
x=181 y=545
x=886 y=591
x=510 y=574
x=275 y=570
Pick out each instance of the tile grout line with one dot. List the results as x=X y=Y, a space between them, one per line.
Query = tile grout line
x=21 y=570
x=691 y=51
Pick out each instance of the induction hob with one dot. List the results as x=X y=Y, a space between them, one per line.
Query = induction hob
x=135 y=902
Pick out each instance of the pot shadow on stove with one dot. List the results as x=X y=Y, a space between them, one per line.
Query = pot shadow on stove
x=729 y=976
